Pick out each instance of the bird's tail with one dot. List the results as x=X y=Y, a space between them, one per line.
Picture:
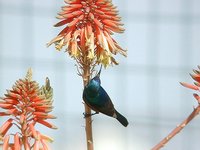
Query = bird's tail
x=121 y=119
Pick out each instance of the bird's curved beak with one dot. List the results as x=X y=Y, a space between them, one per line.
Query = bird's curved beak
x=99 y=71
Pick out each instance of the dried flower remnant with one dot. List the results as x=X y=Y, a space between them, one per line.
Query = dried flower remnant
x=196 y=85
x=25 y=105
x=88 y=30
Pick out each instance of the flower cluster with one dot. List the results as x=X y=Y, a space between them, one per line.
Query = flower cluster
x=88 y=30
x=25 y=105
x=196 y=85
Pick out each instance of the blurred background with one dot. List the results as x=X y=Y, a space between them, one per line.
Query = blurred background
x=163 y=42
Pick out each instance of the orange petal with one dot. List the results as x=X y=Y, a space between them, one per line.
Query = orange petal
x=6 y=126
x=73 y=23
x=78 y=6
x=99 y=37
x=11 y=101
x=13 y=95
x=4 y=114
x=63 y=15
x=82 y=39
x=88 y=31
x=113 y=13
x=109 y=23
x=116 y=18
x=16 y=89
x=44 y=144
x=115 y=29
x=37 y=103
x=100 y=2
x=30 y=109
x=20 y=82
x=112 y=46
x=58 y=38
x=6 y=142
x=36 y=145
x=47 y=124
x=91 y=16
x=46 y=117
x=72 y=1
x=13 y=111
x=68 y=8
x=196 y=77
x=99 y=12
x=33 y=131
x=17 y=145
x=194 y=87
x=40 y=114
x=6 y=106
x=98 y=23
x=27 y=145
x=24 y=93
x=63 y=22
x=46 y=138
x=43 y=109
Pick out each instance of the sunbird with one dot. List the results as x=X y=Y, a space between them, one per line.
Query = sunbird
x=98 y=100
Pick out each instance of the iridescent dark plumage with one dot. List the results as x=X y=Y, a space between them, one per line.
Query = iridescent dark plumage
x=98 y=100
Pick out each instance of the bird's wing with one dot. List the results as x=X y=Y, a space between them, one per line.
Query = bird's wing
x=101 y=103
x=107 y=106
x=85 y=99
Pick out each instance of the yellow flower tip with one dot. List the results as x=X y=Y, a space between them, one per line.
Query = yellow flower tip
x=74 y=55
x=106 y=61
x=46 y=138
x=47 y=84
x=91 y=55
x=114 y=61
x=48 y=44
x=29 y=74
x=124 y=53
x=54 y=127
x=47 y=124
x=59 y=45
x=58 y=49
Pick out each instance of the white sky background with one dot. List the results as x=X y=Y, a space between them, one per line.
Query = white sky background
x=163 y=42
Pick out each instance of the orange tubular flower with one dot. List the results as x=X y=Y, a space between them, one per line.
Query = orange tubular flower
x=196 y=85
x=25 y=105
x=88 y=30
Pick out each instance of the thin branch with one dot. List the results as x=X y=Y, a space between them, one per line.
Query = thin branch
x=174 y=132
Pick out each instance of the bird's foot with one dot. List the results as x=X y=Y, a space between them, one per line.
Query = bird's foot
x=89 y=115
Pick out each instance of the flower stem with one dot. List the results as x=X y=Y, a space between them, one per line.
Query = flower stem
x=174 y=132
x=88 y=120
